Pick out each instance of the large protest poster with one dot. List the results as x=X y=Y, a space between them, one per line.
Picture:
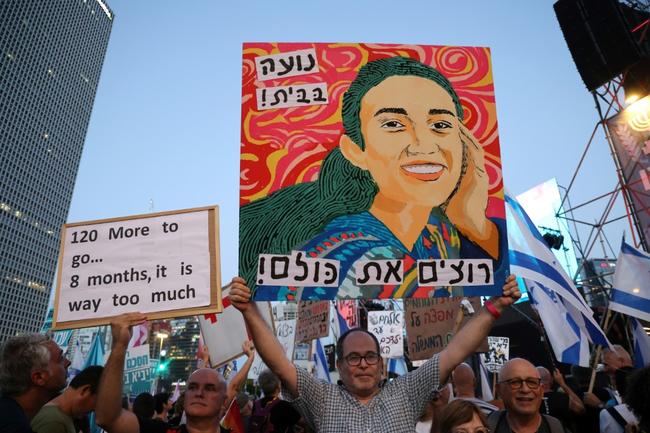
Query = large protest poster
x=630 y=134
x=388 y=327
x=313 y=320
x=370 y=171
x=224 y=333
x=430 y=324
x=164 y=264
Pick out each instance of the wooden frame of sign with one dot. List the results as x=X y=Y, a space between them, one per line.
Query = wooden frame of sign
x=215 y=305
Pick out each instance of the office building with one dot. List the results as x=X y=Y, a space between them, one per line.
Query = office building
x=51 y=55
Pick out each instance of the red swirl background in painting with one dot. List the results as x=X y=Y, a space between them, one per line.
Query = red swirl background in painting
x=285 y=146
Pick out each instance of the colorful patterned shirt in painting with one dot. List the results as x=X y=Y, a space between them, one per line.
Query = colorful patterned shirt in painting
x=363 y=237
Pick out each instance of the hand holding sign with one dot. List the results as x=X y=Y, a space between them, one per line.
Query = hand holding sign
x=248 y=348
x=121 y=327
x=510 y=295
x=240 y=294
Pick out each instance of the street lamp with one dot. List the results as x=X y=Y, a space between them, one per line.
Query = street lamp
x=162 y=336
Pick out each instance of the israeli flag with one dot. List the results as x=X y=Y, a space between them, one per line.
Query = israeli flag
x=559 y=302
x=78 y=361
x=340 y=325
x=397 y=366
x=486 y=387
x=320 y=361
x=569 y=340
x=641 y=344
x=631 y=292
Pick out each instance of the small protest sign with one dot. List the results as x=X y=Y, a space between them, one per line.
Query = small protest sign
x=313 y=320
x=388 y=328
x=498 y=354
x=285 y=330
x=138 y=373
x=330 y=354
x=163 y=264
x=224 y=333
x=430 y=323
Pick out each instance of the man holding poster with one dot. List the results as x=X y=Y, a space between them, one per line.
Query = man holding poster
x=407 y=201
x=361 y=403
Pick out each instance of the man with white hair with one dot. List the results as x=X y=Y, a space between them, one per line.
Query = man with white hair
x=520 y=386
x=33 y=370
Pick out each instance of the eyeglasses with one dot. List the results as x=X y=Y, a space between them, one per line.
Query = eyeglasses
x=531 y=382
x=354 y=359
x=476 y=430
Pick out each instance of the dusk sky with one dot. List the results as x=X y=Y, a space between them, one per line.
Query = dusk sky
x=166 y=119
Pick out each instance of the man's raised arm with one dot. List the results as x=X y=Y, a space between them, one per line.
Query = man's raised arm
x=108 y=410
x=265 y=341
x=471 y=335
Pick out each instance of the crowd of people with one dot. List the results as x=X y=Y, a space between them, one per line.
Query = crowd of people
x=439 y=396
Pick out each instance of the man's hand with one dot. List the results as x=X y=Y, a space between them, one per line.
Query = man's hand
x=204 y=357
x=249 y=348
x=466 y=209
x=240 y=294
x=121 y=327
x=559 y=379
x=510 y=295
x=590 y=399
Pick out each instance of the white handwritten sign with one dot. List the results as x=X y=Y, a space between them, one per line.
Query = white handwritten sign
x=289 y=64
x=388 y=328
x=455 y=272
x=165 y=263
x=373 y=272
x=298 y=95
x=296 y=270
x=285 y=330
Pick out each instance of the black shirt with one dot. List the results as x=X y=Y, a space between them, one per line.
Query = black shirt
x=13 y=418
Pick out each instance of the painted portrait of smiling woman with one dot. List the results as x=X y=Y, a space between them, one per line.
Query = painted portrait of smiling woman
x=407 y=181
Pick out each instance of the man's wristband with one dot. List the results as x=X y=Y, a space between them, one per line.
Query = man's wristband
x=492 y=309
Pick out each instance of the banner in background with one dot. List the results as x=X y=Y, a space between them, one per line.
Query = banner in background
x=630 y=133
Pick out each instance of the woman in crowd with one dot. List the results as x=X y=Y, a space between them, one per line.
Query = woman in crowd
x=462 y=416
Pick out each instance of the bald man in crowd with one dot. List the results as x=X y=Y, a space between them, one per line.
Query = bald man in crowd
x=562 y=405
x=520 y=387
x=464 y=382
x=204 y=397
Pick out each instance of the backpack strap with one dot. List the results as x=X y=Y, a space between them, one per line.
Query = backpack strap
x=617 y=416
x=494 y=419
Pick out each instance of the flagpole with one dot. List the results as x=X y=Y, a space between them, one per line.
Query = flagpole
x=599 y=349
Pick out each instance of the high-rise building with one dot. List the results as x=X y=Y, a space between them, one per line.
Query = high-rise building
x=51 y=55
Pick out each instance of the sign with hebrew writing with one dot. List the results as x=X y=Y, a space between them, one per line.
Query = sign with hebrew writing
x=388 y=327
x=163 y=264
x=370 y=171
x=430 y=324
x=313 y=320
